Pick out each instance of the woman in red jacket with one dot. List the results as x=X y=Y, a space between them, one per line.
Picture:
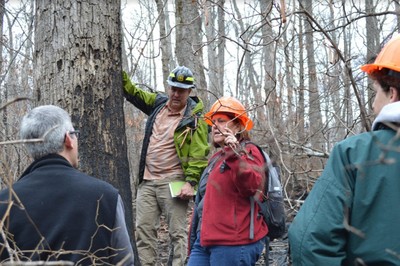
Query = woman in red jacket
x=220 y=228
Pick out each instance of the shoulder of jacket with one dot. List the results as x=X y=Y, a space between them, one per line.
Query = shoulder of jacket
x=161 y=98
x=196 y=105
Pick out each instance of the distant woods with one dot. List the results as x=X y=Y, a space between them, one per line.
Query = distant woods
x=294 y=64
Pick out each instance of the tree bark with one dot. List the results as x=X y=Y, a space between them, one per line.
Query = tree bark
x=215 y=33
x=165 y=42
x=373 y=43
x=314 y=114
x=78 y=67
x=188 y=45
x=270 y=81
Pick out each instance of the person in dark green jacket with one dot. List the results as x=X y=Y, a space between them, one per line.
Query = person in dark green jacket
x=351 y=215
x=175 y=148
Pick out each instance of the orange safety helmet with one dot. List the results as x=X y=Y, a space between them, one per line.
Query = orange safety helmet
x=229 y=105
x=388 y=57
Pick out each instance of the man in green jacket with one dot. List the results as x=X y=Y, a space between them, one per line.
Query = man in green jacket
x=351 y=215
x=175 y=148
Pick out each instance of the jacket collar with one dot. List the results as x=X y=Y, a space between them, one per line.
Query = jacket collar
x=45 y=160
x=390 y=113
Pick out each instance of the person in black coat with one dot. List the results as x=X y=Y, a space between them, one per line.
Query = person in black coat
x=55 y=212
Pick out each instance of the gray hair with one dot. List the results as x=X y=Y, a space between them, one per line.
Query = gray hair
x=48 y=122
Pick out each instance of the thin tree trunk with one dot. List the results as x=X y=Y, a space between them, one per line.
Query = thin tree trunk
x=220 y=72
x=373 y=42
x=215 y=34
x=397 y=9
x=188 y=47
x=3 y=95
x=211 y=18
x=333 y=88
x=314 y=114
x=167 y=62
x=301 y=104
x=347 y=112
x=270 y=84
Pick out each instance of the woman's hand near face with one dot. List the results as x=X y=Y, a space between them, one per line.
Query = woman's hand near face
x=224 y=131
x=230 y=139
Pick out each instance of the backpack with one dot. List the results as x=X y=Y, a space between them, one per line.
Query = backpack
x=271 y=207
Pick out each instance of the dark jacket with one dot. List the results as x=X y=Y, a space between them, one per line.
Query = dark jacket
x=351 y=215
x=56 y=207
x=191 y=134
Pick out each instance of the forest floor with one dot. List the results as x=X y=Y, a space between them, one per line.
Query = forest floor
x=278 y=249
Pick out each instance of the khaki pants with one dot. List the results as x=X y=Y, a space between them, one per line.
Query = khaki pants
x=153 y=199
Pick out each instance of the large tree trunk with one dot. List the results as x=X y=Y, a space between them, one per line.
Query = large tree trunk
x=78 y=67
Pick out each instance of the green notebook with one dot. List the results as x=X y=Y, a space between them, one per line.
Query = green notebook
x=175 y=188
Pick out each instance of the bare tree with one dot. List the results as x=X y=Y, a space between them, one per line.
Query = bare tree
x=372 y=39
x=258 y=51
x=271 y=109
x=314 y=114
x=15 y=81
x=188 y=44
x=78 y=67
x=215 y=33
x=166 y=39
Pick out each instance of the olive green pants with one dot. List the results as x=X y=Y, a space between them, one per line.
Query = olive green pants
x=153 y=199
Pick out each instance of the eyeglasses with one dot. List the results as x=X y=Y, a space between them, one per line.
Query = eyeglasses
x=76 y=133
